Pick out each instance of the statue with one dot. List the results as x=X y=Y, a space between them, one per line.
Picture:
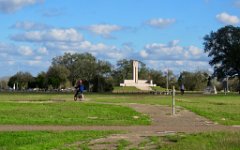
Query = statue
x=210 y=88
x=209 y=84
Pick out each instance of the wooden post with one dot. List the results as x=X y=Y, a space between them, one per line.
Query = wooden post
x=173 y=100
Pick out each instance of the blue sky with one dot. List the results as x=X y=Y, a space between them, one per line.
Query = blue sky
x=161 y=33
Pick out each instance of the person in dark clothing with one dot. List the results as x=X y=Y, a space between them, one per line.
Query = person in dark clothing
x=79 y=89
x=182 y=89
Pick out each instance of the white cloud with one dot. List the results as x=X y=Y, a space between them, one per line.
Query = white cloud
x=179 y=63
x=10 y=6
x=225 y=18
x=143 y=53
x=195 y=51
x=160 y=22
x=57 y=35
x=178 y=66
x=35 y=62
x=158 y=49
x=25 y=50
x=104 y=30
x=38 y=58
x=27 y=25
x=100 y=50
x=171 y=51
x=11 y=62
x=174 y=42
x=42 y=50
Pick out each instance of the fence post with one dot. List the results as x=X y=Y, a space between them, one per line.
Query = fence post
x=173 y=100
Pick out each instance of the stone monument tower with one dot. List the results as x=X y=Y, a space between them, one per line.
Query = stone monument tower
x=135 y=81
x=135 y=71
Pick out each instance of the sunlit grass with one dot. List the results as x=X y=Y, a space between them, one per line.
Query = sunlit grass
x=39 y=140
x=69 y=113
x=224 y=109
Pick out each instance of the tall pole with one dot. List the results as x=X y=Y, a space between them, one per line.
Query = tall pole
x=167 y=81
x=227 y=83
x=173 y=100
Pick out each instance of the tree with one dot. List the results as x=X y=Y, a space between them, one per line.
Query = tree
x=69 y=61
x=193 y=81
x=87 y=68
x=81 y=66
x=124 y=69
x=57 y=75
x=172 y=80
x=157 y=77
x=41 y=80
x=102 y=81
x=3 y=84
x=223 y=46
x=21 y=80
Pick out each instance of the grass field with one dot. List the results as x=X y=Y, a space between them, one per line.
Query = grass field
x=39 y=140
x=200 y=141
x=224 y=109
x=125 y=89
x=66 y=113
x=158 y=88
x=219 y=108
x=60 y=109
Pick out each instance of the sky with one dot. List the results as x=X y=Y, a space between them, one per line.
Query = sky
x=163 y=34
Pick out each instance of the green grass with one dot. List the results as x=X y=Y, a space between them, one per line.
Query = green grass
x=180 y=141
x=64 y=111
x=126 y=89
x=6 y=97
x=158 y=88
x=122 y=144
x=202 y=141
x=219 y=108
x=38 y=140
x=132 y=98
x=223 y=109
x=69 y=113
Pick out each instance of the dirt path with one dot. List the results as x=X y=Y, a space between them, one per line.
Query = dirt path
x=162 y=123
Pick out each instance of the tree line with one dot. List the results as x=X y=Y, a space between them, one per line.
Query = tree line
x=102 y=76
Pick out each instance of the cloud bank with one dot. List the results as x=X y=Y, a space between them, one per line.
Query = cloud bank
x=10 y=6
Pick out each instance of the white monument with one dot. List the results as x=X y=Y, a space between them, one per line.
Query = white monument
x=141 y=84
x=210 y=89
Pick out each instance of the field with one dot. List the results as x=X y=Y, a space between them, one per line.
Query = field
x=38 y=140
x=223 y=109
x=20 y=109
